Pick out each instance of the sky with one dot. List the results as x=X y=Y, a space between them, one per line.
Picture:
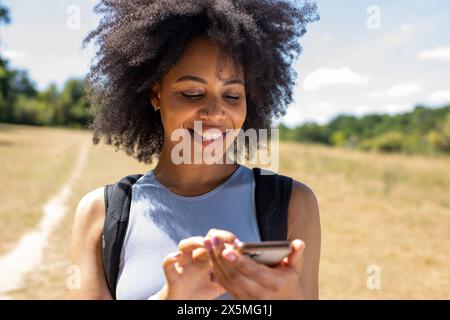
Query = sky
x=362 y=57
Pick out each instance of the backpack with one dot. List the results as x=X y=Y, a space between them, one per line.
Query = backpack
x=272 y=194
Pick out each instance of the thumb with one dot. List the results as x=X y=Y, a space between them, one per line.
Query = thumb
x=169 y=266
x=295 y=259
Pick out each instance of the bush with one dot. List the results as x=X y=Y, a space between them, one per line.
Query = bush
x=387 y=142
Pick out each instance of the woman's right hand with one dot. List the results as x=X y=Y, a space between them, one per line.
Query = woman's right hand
x=188 y=273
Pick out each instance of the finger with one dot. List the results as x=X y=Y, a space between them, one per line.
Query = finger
x=191 y=243
x=214 y=266
x=196 y=247
x=225 y=235
x=295 y=259
x=211 y=251
x=231 y=279
x=168 y=265
x=200 y=255
x=223 y=279
x=239 y=285
x=260 y=273
x=186 y=246
x=218 y=246
x=185 y=259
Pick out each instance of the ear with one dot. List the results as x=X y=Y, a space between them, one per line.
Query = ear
x=155 y=99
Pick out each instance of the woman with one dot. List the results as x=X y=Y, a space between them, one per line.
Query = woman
x=163 y=66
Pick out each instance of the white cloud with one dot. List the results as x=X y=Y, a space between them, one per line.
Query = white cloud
x=327 y=76
x=400 y=90
x=15 y=55
x=323 y=112
x=320 y=112
x=438 y=53
x=393 y=108
x=362 y=110
x=439 y=97
x=376 y=94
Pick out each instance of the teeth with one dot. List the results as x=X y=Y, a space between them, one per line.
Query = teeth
x=208 y=136
x=211 y=136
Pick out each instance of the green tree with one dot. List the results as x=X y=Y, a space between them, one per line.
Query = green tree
x=311 y=132
x=387 y=142
x=4 y=15
x=443 y=142
x=73 y=107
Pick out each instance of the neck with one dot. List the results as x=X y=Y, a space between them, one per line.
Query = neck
x=191 y=179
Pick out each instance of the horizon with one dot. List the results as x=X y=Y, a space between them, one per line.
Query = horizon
x=363 y=59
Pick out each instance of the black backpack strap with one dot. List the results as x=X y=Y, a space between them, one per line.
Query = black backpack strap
x=117 y=210
x=272 y=194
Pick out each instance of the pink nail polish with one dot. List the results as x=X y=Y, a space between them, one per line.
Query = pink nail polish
x=230 y=256
x=207 y=244
x=215 y=241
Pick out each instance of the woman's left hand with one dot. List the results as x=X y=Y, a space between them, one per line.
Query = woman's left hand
x=246 y=279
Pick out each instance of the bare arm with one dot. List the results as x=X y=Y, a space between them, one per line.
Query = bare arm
x=86 y=247
x=304 y=224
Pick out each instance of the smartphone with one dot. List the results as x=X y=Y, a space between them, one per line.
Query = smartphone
x=269 y=253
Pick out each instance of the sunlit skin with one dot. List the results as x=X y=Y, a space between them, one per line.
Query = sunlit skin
x=224 y=105
x=232 y=272
x=218 y=103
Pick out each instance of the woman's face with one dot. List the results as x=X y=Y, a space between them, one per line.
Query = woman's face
x=194 y=90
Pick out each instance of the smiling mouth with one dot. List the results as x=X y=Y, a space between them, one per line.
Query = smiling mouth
x=212 y=135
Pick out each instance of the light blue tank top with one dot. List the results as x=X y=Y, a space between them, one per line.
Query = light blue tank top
x=160 y=218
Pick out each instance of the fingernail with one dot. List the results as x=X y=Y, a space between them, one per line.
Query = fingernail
x=207 y=244
x=215 y=241
x=176 y=254
x=237 y=242
x=230 y=256
x=297 y=243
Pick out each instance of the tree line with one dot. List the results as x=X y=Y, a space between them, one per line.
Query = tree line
x=22 y=103
x=423 y=130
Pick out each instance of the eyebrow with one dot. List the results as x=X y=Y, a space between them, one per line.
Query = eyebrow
x=198 y=79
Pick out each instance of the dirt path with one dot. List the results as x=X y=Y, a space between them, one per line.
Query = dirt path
x=28 y=253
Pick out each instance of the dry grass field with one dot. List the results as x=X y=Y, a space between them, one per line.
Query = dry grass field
x=391 y=211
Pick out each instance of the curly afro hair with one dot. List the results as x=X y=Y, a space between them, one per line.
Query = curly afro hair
x=139 y=40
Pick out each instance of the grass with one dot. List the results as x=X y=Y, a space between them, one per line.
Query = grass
x=34 y=163
x=391 y=211
x=378 y=209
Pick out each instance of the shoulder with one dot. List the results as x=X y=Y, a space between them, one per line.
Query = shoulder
x=303 y=212
x=304 y=224
x=86 y=246
x=302 y=196
x=90 y=214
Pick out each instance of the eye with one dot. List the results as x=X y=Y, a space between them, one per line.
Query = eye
x=192 y=96
x=234 y=98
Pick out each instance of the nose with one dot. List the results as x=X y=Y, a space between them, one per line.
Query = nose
x=212 y=112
